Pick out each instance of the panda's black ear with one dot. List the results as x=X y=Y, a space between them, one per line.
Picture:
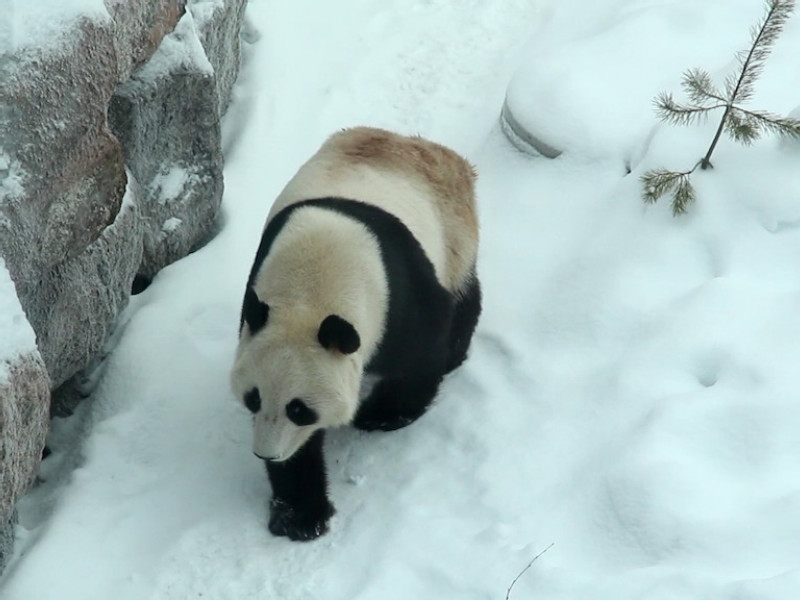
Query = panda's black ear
x=254 y=311
x=337 y=334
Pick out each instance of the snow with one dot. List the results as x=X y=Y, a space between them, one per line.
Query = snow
x=45 y=24
x=171 y=224
x=180 y=51
x=15 y=331
x=631 y=394
x=171 y=181
x=11 y=179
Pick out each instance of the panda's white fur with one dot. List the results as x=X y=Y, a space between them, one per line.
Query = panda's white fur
x=322 y=263
x=427 y=186
x=326 y=263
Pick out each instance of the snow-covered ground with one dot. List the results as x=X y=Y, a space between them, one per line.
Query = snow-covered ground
x=632 y=394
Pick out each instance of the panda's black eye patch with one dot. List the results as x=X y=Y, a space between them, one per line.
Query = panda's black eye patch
x=254 y=312
x=300 y=414
x=252 y=400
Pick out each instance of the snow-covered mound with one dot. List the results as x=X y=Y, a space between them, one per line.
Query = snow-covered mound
x=587 y=83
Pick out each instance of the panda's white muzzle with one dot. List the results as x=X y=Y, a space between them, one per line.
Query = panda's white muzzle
x=277 y=439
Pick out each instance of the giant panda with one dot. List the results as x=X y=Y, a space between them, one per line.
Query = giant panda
x=363 y=294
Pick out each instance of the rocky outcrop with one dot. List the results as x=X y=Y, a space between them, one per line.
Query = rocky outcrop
x=219 y=25
x=63 y=187
x=110 y=166
x=167 y=117
x=24 y=401
x=66 y=173
x=63 y=171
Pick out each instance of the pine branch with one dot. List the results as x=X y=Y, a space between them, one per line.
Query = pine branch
x=658 y=182
x=744 y=126
x=763 y=37
x=741 y=127
x=698 y=86
x=783 y=126
x=683 y=196
x=670 y=111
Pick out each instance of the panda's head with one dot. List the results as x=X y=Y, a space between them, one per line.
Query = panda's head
x=296 y=375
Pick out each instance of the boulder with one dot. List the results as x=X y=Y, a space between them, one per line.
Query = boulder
x=24 y=403
x=63 y=183
x=167 y=118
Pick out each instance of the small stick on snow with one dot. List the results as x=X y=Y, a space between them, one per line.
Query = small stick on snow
x=528 y=566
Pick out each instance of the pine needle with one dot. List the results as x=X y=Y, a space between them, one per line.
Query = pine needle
x=742 y=127
x=683 y=196
x=672 y=112
x=783 y=126
x=763 y=37
x=658 y=182
x=698 y=86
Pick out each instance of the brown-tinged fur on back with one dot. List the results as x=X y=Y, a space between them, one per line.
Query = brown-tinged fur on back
x=450 y=177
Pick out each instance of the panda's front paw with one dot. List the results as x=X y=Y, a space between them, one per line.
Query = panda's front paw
x=299 y=523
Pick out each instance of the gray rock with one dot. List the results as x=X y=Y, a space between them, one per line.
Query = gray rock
x=219 y=25
x=7 y=539
x=24 y=403
x=167 y=118
x=80 y=299
x=63 y=180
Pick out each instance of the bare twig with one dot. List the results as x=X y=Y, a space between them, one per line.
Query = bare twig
x=528 y=566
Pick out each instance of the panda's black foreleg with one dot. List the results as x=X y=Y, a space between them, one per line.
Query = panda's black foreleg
x=465 y=319
x=300 y=509
x=397 y=402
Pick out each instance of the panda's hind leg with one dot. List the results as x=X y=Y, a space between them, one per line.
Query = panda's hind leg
x=465 y=319
x=396 y=402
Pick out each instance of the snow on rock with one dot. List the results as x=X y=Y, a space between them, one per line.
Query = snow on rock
x=24 y=402
x=18 y=338
x=219 y=23
x=139 y=28
x=48 y=26
x=180 y=50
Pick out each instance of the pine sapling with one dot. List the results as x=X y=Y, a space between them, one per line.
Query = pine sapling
x=741 y=125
